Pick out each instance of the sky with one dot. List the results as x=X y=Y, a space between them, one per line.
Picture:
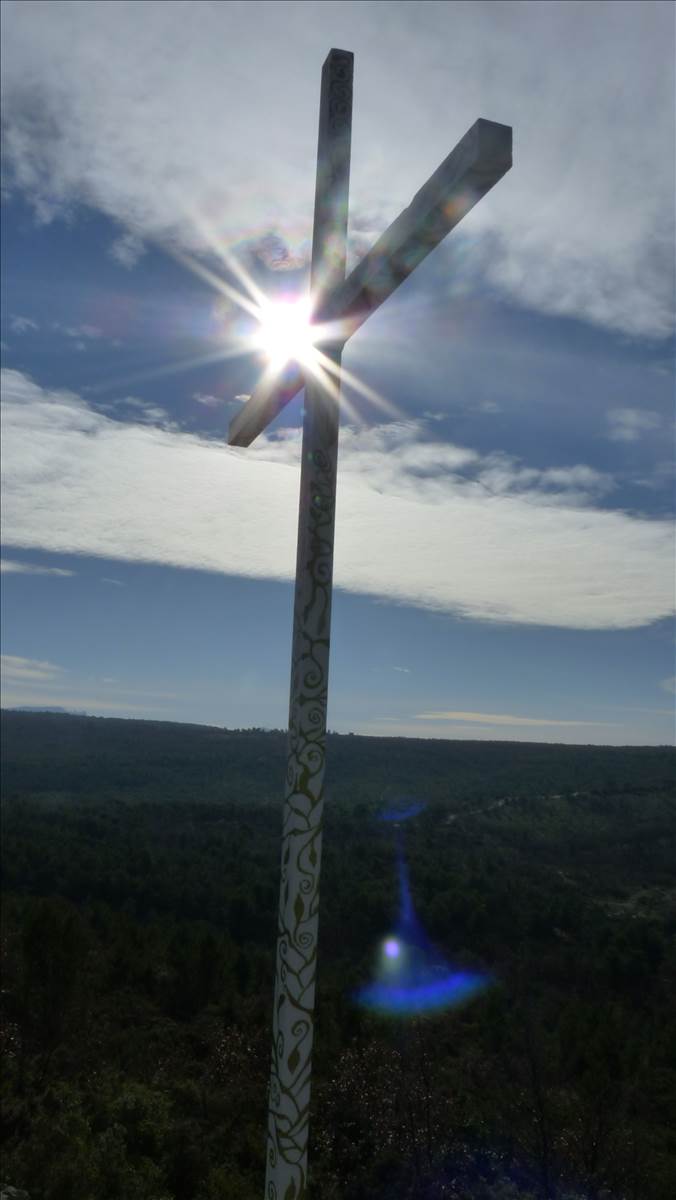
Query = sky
x=504 y=560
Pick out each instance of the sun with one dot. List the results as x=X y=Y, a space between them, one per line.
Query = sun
x=285 y=333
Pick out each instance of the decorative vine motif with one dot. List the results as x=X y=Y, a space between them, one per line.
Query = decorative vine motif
x=302 y=834
x=340 y=92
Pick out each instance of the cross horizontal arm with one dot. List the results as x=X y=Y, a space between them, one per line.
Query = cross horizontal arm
x=478 y=161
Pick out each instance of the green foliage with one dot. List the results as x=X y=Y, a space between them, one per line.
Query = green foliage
x=140 y=871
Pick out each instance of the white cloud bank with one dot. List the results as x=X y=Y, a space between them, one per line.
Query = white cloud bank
x=171 y=116
x=411 y=527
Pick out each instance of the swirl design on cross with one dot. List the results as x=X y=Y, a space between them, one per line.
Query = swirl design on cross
x=340 y=94
x=302 y=833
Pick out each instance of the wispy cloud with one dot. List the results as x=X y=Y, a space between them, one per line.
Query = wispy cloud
x=473 y=718
x=28 y=670
x=397 y=457
x=22 y=324
x=36 y=683
x=582 y=226
x=210 y=401
x=10 y=566
x=127 y=250
x=630 y=424
x=404 y=670
x=413 y=526
x=90 y=332
x=669 y=684
x=144 y=411
x=504 y=475
x=207 y=400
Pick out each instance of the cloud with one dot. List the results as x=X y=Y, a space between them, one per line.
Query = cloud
x=22 y=324
x=83 y=336
x=9 y=566
x=220 y=133
x=90 y=332
x=80 y=334
x=471 y=718
x=404 y=670
x=396 y=458
x=669 y=684
x=211 y=401
x=75 y=703
x=503 y=475
x=154 y=414
x=127 y=250
x=630 y=424
x=414 y=524
x=37 y=684
x=147 y=413
x=27 y=670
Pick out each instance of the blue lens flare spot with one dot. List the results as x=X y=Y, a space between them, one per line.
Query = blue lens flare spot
x=411 y=977
x=415 y=996
x=402 y=808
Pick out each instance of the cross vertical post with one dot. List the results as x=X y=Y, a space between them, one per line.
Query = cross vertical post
x=476 y=164
x=293 y=1011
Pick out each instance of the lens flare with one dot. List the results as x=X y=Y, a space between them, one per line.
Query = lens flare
x=245 y=321
x=401 y=809
x=412 y=978
x=285 y=333
x=411 y=997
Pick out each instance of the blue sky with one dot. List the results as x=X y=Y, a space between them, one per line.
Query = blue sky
x=504 y=539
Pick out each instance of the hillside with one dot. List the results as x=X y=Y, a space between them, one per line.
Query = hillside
x=140 y=868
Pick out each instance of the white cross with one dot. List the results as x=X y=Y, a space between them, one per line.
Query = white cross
x=479 y=160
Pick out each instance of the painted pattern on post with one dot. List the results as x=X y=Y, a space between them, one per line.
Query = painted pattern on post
x=301 y=846
x=293 y=1020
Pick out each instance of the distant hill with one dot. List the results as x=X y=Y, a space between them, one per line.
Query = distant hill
x=64 y=753
x=48 y=708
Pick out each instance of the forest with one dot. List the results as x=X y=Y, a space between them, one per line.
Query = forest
x=140 y=874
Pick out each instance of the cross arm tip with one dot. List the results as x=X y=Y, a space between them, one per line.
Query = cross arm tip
x=494 y=138
x=335 y=52
x=265 y=403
